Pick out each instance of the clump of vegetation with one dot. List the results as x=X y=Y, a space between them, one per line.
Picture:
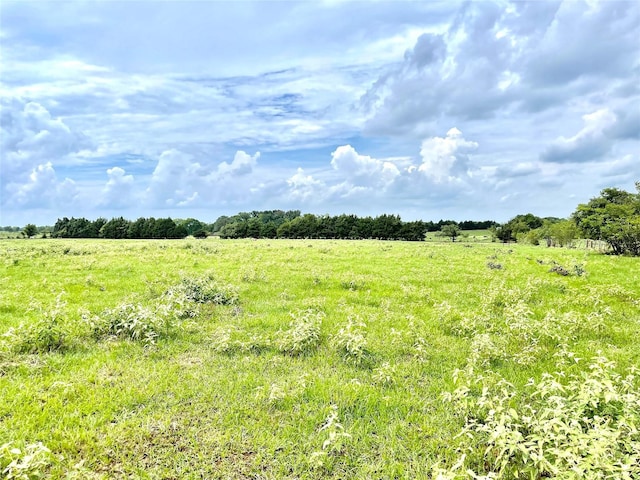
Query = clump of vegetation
x=31 y=462
x=132 y=322
x=560 y=270
x=564 y=426
x=50 y=333
x=614 y=217
x=229 y=340
x=335 y=442
x=352 y=342
x=494 y=265
x=352 y=283
x=303 y=335
x=222 y=340
x=205 y=289
x=385 y=375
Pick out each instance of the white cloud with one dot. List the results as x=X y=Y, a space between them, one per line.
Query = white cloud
x=362 y=169
x=304 y=187
x=242 y=164
x=388 y=78
x=590 y=143
x=173 y=180
x=42 y=190
x=446 y=159
x=119 y=189
x=31 y=136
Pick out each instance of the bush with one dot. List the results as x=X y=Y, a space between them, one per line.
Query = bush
x=48 y=334
x=352 y=342
x=582 y=427
x=25 y=464
x=205 y=289
x=132 y=322
x=304 y=334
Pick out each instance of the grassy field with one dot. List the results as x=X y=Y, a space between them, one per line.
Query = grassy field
x=466 y=236
x=316 y=359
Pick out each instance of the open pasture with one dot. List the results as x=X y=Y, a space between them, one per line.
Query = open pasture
x=316 y=359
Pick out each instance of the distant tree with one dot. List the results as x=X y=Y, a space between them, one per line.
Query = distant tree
x=613 y=217
x=216 y=226
x=303 y=227
x=413 y=231
x=386 y=227
x=476 y=225
x=502 y=233
x=326 y=227
x=451 y=231
x=116 y=228
x=563 y=233
x=254 y=228
x=30 y=230
x=137 y=228
x=234 y=230
x=191 y=225
x=200 y=234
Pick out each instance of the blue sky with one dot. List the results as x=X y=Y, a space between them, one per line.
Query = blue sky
x=462 y=110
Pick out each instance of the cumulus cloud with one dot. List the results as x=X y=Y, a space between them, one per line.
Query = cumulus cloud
x=496 y=61
x=42 y=190
x=32 y=143
x=590 y=143
x=173 y=179
x=516 y=77
x=362 y=169
x=242 y=164
x=304 y=187
x=446 y=159
x=30 y=136
x=119 y=189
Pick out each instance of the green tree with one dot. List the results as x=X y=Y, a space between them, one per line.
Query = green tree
x=116 y=228
x=450 y=230
x=613 y=217
x=563 y=233
x=30 y=230
x=191 y=225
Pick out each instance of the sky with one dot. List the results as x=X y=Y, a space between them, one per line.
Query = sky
x=430 y=110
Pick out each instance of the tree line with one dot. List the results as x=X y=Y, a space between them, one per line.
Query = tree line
x=256 y=224
x=118 y=228
x=292 y=224
x=612 y=217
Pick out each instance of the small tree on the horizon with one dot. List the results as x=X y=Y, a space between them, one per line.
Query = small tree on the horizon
x=450 y=230
x=30 y=230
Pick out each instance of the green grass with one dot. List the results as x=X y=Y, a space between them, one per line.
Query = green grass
x=332 y=363
x=466 y=236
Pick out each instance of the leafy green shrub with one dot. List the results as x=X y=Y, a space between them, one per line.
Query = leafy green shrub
x=205 y=289
x=385 y=375
x=175 y=302
x=304 y=334
x=583 y=427
x=132 y=322
x=335 y=442
x=48 y=334
x=352 y=342
x=29 y=463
